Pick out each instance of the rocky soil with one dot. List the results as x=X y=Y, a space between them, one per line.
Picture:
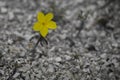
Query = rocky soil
x=85 y=45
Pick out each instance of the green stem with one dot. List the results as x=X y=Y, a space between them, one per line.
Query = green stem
x=36 y=44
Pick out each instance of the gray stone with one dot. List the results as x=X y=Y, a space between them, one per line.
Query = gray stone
x=10 y=41
x=58 y=59
x=11 y=16
x=16 y=75
x=4 y=10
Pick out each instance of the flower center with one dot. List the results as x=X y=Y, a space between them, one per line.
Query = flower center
x=43 y=23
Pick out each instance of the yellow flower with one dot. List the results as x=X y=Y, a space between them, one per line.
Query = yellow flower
x=44 y=23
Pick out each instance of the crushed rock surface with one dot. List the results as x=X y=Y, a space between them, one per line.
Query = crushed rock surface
x=85 y=45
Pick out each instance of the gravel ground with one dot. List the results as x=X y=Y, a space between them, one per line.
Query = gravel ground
x=85 y=45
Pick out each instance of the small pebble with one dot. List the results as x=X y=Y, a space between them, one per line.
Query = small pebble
x=16 y=75
x=22 y=54
x=115 y=44
x=10 y=41
x=2 y=3
x=58 y=59
x=51 y=69
x=2 y=72
x=4 y=10
x=103 y=55
x=67 y=57
x=63 y=36
x=11 y=15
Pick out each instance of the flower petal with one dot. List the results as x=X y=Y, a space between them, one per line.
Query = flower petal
x=44 y=31
x=37 y=26
x=48 y=16
x=51 y=25
x=41 y=17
